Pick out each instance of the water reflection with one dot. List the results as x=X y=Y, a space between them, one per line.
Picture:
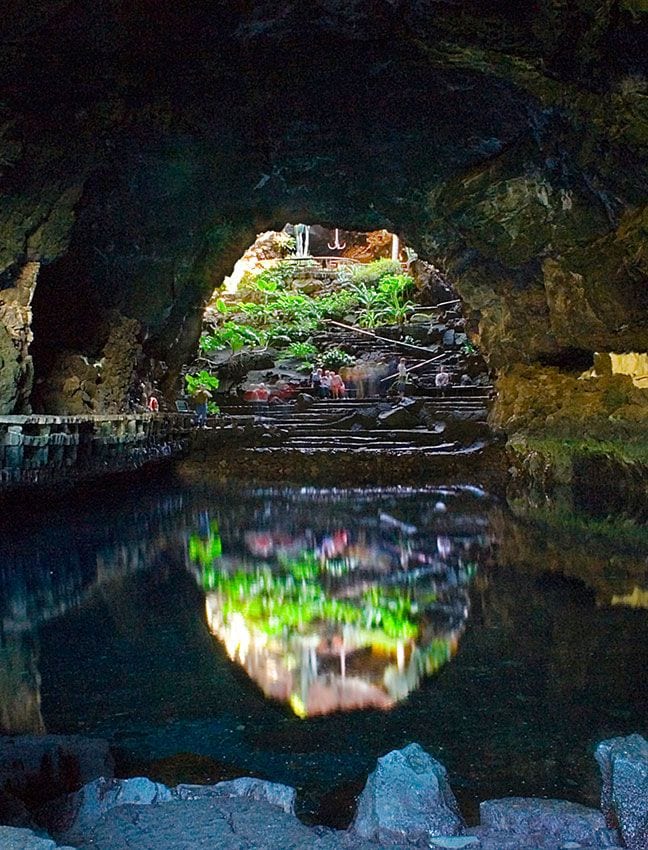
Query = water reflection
x=347 y=612
x=336 y=600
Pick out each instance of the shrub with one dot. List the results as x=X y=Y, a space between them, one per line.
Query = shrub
x=203 y=380
x=300 y=350
x=371 y=273
x=231 y=335
x=335 y=358
x=337 y=304
x=281 y=335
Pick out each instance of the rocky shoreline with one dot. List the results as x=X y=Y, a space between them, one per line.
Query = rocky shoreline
x=406 y=802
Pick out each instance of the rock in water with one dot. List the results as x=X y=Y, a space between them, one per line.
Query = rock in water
x=407 y=799
x=547 y=819
x=282 y=796
x=624 y=792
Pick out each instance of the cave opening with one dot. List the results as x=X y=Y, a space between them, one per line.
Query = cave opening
x=310 y=303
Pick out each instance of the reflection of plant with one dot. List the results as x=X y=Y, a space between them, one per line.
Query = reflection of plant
x=200 y=382
x=206 y=551
x=278 y=602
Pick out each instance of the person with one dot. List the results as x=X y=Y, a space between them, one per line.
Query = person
x=337 y=386
x=402 y=376
x=153 y=404
x=201 y=399
x=316 y=381
x=359 y=373
x=325 y=384
x=442 y=379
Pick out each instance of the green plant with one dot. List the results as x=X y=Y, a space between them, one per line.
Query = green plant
x=371 y=273
x=335 y=358
x=336 y=305
x=203 y=380
x=366 y=295
x=300 y=350
x=368 y=318
x=283 y=243
x=468 y=348
x=231 y=335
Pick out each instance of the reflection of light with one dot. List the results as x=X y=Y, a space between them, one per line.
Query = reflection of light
x=297 y=705
x=637 y=599
x=400 y=655
x=237 y=640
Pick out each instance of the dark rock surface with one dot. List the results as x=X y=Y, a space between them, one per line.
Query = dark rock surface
x=226 y=824
x=546 y=820
x=25 y=839
x=406 y=799
x=406 y=802
x=273 y=793
x=398 y=417
x=75 y=816
x=140 y=164
x=624 y=793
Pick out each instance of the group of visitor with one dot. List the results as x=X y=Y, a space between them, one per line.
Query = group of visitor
x=328 y=384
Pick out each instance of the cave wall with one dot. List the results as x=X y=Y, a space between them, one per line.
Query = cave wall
x=143 y=145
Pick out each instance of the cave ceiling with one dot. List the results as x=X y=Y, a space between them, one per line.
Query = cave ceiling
x=144 y=144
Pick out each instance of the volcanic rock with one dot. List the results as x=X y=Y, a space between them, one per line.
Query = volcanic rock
x=407 y=799
x=624 y=793
x=548 y=819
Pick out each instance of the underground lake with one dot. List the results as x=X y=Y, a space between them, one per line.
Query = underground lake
x=297 y=634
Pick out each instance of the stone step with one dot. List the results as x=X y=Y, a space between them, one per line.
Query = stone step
x=443 y=449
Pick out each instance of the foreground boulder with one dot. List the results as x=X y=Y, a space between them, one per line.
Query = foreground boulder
x=624 y=791
x=281 y=796
x=216 y=823
x=406 y=800
x=548 y=820
x=75 y=816
x=25 y=839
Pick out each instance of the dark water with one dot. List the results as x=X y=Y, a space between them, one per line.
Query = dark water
x=299 y=634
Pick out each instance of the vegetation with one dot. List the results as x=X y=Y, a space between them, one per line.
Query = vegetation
x=200 y=382
x=232 y=335
x=370 y=274
x=271 y=312
x=335 y=358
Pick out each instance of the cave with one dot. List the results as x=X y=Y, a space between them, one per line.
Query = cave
x=338 y=565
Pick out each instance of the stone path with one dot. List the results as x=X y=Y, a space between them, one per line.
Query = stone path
x=365 y=425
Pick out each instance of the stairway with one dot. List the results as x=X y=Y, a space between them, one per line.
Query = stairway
x=430 y=421
x=362 y=425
